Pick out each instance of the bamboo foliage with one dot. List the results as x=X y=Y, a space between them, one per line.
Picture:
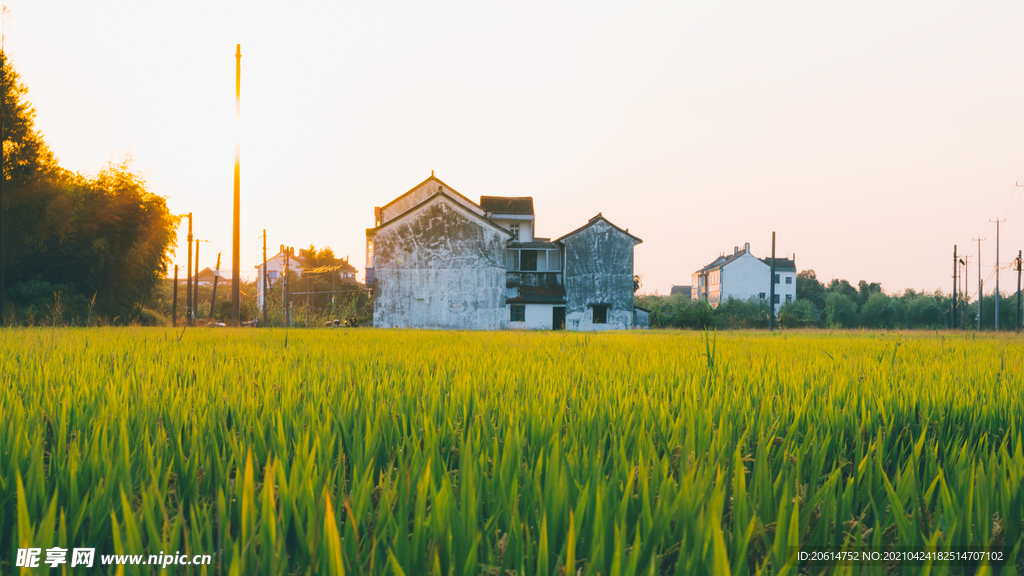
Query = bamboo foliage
x=406 y=452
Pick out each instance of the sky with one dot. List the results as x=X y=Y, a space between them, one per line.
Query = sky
x=872 y=137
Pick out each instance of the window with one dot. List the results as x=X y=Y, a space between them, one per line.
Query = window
x=789 y=298
x=761 y=296
x=776 y=278
x=272 y=274
x=601 y=314
x=789 y=279
x=514 y=229
x=776 y=301
x=529 y=260
x=554 y=260
x=512 y=260
x=518 y=313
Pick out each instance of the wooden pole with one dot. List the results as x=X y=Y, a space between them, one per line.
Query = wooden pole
x=195 y=293
x=235 y=251
x=1019 y=320
x=174 y=305
x=188 y=278
x=213 y=297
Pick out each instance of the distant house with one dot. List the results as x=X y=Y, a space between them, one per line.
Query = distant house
x=741 y=275
x=684 y=291
x=296 y=263
x=437 y=259
x=206 y=277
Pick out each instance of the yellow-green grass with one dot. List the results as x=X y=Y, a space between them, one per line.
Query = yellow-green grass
x=415 y=452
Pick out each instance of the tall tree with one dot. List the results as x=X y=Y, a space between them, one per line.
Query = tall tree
x=809 y=288
x=105 y=238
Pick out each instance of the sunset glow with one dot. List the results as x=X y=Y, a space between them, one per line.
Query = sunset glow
x=870 y=138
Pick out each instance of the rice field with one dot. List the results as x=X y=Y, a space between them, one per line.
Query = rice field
x=419 y=452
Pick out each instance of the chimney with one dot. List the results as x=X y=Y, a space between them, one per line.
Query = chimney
x=735 y=250
x=746 y=247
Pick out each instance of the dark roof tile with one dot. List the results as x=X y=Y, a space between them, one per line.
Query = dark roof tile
x=522 y=205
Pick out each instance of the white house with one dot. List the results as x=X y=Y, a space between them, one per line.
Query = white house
x=742 y=276
x=436 y=259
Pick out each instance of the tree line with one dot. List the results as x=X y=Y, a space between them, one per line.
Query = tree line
x=839 y=304
x=78 y=250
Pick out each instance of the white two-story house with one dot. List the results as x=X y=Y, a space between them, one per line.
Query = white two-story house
x=742 y=276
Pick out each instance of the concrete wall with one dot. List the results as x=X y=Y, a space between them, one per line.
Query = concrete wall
x=525 y=226
x=744 y=277
x=598 y=270
x=641 y=319
x=538 y=317
x=418 y=195
x=783 y=289
x=440 y=267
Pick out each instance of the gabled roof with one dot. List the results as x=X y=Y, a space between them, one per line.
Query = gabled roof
x=722 y=261
x=507 y=204
x=436 y=179
x=780 y=263
x=208 y=273
x=436 y=195
x=591 y=223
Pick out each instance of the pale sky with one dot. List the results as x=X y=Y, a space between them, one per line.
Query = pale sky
x=871 y=136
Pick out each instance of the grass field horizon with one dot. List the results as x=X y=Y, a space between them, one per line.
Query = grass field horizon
x=412 y=452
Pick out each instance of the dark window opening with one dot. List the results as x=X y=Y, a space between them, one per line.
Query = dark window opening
x=776 y=301
x=789 y=298
x=601 y=314
x=518 y=313
x=776 y=278
x=528 y=260
x=789 y=279
x=761 y=296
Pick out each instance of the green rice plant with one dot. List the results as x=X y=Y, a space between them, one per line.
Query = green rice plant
x=420 y=452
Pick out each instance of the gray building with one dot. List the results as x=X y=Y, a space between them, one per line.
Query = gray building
x=436 y=259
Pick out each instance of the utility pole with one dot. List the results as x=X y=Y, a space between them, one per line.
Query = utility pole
x=962 y=284
x=980 y=293
x=263 y=280
x=771 y=289
x=174 y=301
x=195 y=293
x=235 y=251
x=188 y=277
x=1018 y=320
x=954 y=322
x=997 y=221
x=286 y=310
x=213 y=297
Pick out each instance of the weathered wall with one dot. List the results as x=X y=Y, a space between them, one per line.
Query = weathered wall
x=538 y=317
x=743 y=278
x=419 y=194
x=440 y=267
x=598 y=270
x=641 y=319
